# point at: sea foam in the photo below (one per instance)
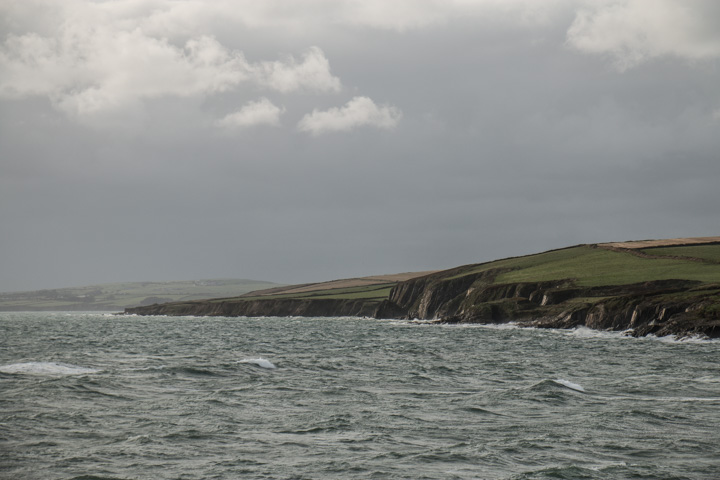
(45, 368)
(260, 362)
(585, 332)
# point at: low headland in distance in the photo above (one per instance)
(659, 287)
(112, 297)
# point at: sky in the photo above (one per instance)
(308, 140)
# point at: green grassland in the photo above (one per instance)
(117, 296)
(589, 266)
(593, 267)
(705, 252)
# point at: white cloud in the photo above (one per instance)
(358, 112)
(313, 73)
(96, 58)
(634, 31)
(262, 112)
(88, 72)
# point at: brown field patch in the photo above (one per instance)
(670, 242)
(342, 283)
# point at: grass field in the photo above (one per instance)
(705, 252)
(665, 242)
(592, 267)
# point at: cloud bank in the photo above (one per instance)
(635, 31)
(95, 60)
(84, 73)
(103, 58)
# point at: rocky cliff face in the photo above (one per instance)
(678, 307)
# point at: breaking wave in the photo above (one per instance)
(570, 385)
(45, 368)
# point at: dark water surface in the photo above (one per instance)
(87, 396)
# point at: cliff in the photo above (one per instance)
(663, 307)
(658, 287)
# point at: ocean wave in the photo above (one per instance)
(556, 384)
(503, 326)
(45, 368)
(193, 371)
(699, 339)
(260, 362)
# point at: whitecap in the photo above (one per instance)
(260, 362)
(585, 332)
(570, 385)
(45, 368)
(503, 326)
(697, 339)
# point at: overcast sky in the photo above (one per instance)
(297, 141)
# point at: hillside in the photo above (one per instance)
(118, 296)
(659, 286)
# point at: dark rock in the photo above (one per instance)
(285, 307)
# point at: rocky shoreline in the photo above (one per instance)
(283, 307)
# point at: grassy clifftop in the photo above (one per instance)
(597, 265)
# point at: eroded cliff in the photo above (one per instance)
(662, 307)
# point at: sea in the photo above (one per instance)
(93, 396)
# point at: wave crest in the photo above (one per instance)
(45, 368)
(569, 384)
(260, 362)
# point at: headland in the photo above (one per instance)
(660, 287)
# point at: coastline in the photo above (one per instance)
(658, 287)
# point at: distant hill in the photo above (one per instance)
(118, 296)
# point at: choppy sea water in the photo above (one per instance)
(92, 396)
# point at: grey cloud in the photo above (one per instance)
(635, 31)
(358, 112)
